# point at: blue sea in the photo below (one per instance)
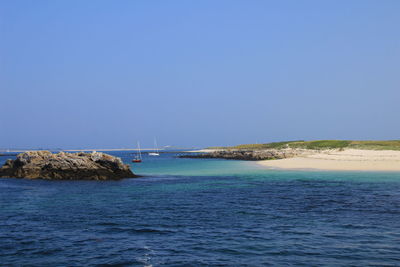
(203, 212)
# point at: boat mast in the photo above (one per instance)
(140, 154)
(155, 144)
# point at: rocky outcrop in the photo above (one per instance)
(66, 166)
(245, 154)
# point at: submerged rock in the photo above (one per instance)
(66, 166)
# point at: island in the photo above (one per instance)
(66, 166)
(340, 155)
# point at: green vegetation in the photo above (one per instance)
(275, 145)
(324, 144)
(376, 145)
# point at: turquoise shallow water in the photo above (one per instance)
(188, 212)
(169, 164)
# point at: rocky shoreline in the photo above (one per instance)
(66, 166)
(245, 154)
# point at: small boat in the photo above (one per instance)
(156, 148)
(138, 157)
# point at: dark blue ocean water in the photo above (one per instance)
(190, 212)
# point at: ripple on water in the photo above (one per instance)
(268, 218)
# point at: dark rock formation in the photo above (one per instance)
(244, 154)
(66, 166)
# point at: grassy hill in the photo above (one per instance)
(324, 144)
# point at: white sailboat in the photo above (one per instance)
(156, 148)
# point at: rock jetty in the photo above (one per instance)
(66, 166)
(245, 154)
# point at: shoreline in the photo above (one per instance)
(346, 160)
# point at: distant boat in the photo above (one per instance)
(156, 148)
(138, 157)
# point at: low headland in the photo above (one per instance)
(340, 155)
(66, 166)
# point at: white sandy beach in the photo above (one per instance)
(347, 160)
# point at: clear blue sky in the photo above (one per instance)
(81, 74)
